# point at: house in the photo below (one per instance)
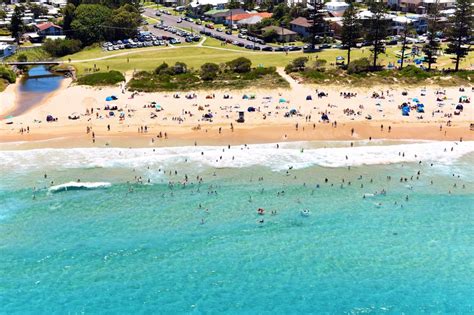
(302, 26)
(249, 21)
(48, 29)
(284, 35)
(6, 50)
(221, 16)
(336, 8)
(422, 6)
(251, 18)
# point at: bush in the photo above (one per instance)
(7, 74)
(62, 47)
(209, 71)
(102, 78)
(320, 64)
(411, 71)
(180, 68)
(359, 66)
(240, 65)
(300, 63)
(163, 68)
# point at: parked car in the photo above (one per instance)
(267, 48)
(179, 20)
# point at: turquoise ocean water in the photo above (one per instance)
(164, 247)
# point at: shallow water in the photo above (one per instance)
(142, 248)
(33, 89)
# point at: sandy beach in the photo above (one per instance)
(209, 117)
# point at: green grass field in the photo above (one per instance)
(149, 58)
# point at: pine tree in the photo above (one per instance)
(316, 16)
(407, 30)
(16, 24)
(460, 28)
(431, 48)
(377, 28)
(350, 30)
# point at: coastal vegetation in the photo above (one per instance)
(6, 76)
(102, 78)
(235, 74)
(358, 74)
(61, 47)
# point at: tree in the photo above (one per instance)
(377, 28)
(163, 68)
(68, 17)
(233, 4)
(280, 11)
(209, 71)
(270, 35)
(16, 24)
(460, 28)
(38, 10)
(407, 30)
(316, 15)
(89, 25)
(240, 65)
(62, 47)
(249, 4)
(180, 68)
(350, 30)
(123, 22)
(432, 47)
(22, 58)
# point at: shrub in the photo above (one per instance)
(180, 68)
(162, 68)
(7, 74)
(209, 71)
(320, 64)
(102, 78)
(359, 66)
(62, 47)
(240, 65)
(411, 71)
(299, 63)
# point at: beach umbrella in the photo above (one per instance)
(416, 100)
(282, 100)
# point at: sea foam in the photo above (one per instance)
(295, 155)
(78, 186)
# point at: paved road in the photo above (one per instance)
(172, 20)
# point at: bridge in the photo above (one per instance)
(33, 63)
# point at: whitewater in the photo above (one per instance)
(295, 155)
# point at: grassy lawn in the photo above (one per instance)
(149, 58)
(32, 55)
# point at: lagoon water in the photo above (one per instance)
(39, 83)
(123, 247)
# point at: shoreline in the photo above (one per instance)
(250, 135)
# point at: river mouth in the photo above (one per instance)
(34, 87)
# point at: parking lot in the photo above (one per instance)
(237, 40)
